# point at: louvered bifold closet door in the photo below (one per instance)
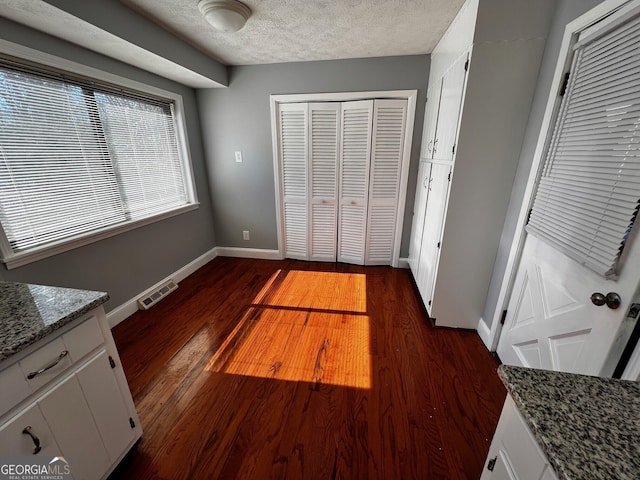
(387, 146)
(587, 199)
(355, 149)
(293, 128)
(324, 123)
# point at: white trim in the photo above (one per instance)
(410, 95)
(259, 253)
(553, 102)
(403, 262)
(485, 333)
(17, 259)
(130, 307)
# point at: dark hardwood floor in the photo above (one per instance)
(259, 369)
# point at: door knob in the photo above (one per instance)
(611, 299)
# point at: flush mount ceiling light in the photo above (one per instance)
(228, 16)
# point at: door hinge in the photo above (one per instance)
(429, 302)
(466, 65)
(492, 464)
(453, 149)
(449, 177)
(565, 83)
(503, 317)
(438, 245)
(112, 362)
(132, 423)
(529, 216)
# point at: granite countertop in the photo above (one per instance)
(588, 427)
(29, 313)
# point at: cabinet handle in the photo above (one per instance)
(429, 146)
(36, 440)
(63, 354)
(435, 146)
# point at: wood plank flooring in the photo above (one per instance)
(257, 369)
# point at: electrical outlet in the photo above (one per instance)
(245, 234)
(238, 157)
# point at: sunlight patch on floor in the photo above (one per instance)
(303, 326)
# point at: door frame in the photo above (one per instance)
(409, 95)
(491, 336)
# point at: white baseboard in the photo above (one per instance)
(240, 252)
(130, 307)
(485, 333)
(403, 262)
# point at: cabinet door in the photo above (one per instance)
(14, 442)
(387, 147)
(449, 111)
(324, 122)
(70, 420)
(107, 405)
(419, 206)
(433, 223)
(430, 120)
(292, 127)
(355, 150)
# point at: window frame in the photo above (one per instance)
(13, 259)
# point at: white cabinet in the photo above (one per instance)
(74, 400)
(432, 191)
(340, 167)
(475, 120)
(514, 453)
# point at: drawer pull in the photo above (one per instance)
(36, 440)
(63, 354)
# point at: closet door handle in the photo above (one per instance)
(430, 146)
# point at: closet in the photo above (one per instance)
(341, 167)
(482, 81)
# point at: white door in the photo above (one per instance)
(355, 149)
(420, 204)
(430, 120)
(293, 128)
(449, 110)
(438, 187)
(324, 124)
(551, 322)
(387, 147)
(585, 205)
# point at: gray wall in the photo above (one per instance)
(129, 263)
(566, 11)
(238, 118)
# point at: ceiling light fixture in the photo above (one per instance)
(228, 16)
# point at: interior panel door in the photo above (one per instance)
(419, 207)
(355, 153)
(438, 187)
(389, 118)
(293, 129)
(324, 124)
(551, 322)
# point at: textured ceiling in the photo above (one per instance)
(305, 30)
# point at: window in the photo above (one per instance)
(81, 160)
(588, 197)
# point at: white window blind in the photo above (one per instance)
(588, 196)
(78, 157)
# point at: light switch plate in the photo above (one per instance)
(238, 157)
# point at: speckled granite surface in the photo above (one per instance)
(588, 427)
(30, 312)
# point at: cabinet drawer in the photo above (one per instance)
(50, 360)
